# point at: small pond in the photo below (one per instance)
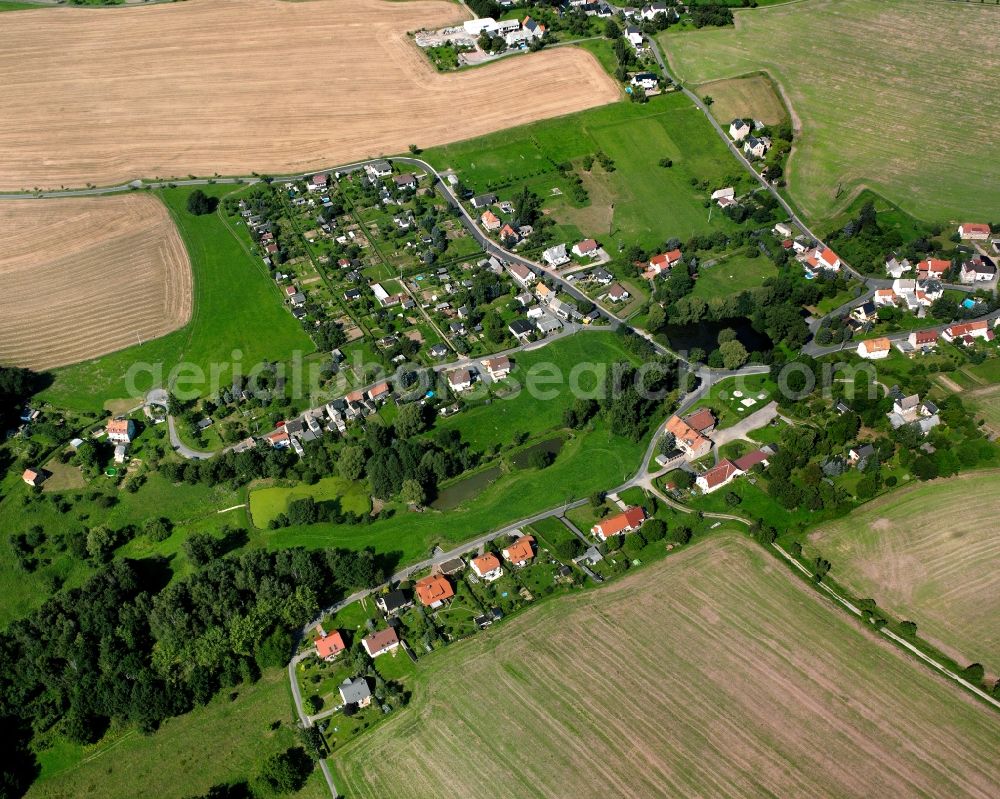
(522, 460)
(454, 495)
(705, 335)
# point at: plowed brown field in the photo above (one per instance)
(83, 277)
(714, 673)
(235, 86)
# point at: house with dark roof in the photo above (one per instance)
(356, 692)
(393, 602)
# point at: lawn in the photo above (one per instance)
(713, 651)
(639, 201)
(930, 554)
(237, 308)
(589, 460)
(733, 274)
(726, 397)
(865, 109)
(221, 742)
(267, 503)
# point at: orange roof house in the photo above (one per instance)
(520, 551)
(974, 230)
(490, 221)
(433, 591)
(688, 439)
(625, 522)
(328, 646)
(874, 348)
(487, 566)
(33, 477)
(381, 391)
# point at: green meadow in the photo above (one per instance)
(886, 96)
(267, 503)
(640, 201)
(237, 307)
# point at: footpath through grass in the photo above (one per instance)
(237, 306)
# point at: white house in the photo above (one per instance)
(726, 192)
(647, 81)
(874, 349)
(121, 431)
(634, 35)
(618, 293)
(556, 255)
(978, 270)
(739, 129)
(487, 567)
(460, 380)
(718, 476)
(974, 231)
(756, 147)
(896, 268)
(498, 367)
(585, 247)
(522, 275)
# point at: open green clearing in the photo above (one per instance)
(218, 743)
(725, 653)
(733, 274)
(856, 75)
(236, 307)
(650, 203)
(930, 554)
(267, 503)
(590, 460)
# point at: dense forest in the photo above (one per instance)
(127, 648)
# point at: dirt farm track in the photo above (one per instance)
(235, 86)
(82, 277)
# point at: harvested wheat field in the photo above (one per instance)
(713, 673)
(929, 553)
(753, 96)
(83, 277)
(235, 86)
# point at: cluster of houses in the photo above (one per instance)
(514, 32)
(925, 341)
(743, 131)
(333, 417)
(692, 440)
(462, 379)
(432, 592)
(978, 268)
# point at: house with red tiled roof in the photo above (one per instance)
(585, 247)
(121, 431)
(328, 646)
(625, 522)
(521, 551)
(490, 221)
(663, 262)
(974, 231)
(688, 438)
(433, 591)
(379, 392)
(509, 235)
(487, 567)
(718, 476)
(923, 338)
(751, 459)
(970, 329)
(932, 267)
(33, 477)
(380, 642)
